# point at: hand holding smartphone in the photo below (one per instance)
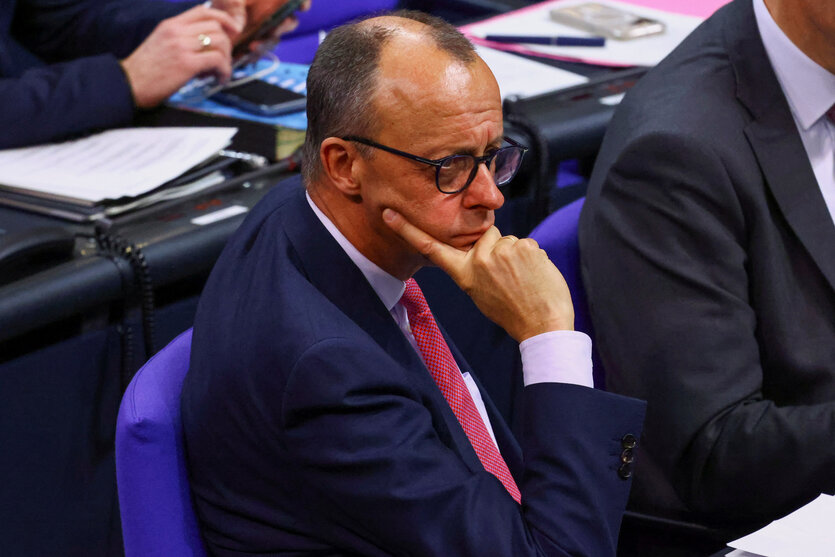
(264, 30)
(258, 96)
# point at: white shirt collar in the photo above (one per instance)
(809, 88)
(389, 288)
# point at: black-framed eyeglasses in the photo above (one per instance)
(455, 173)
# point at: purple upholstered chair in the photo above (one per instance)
(557, 235)
(158, 516)
(300, 45)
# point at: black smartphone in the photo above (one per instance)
(241, 48)
(260, 97)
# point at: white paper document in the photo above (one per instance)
(112, 164)
(807, 531)
(535, 21)
(524, 78)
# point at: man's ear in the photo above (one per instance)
(339, 159)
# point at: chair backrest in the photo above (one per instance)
(557, 235)
(300, 45)
(158, 517)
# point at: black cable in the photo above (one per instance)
(114, 245)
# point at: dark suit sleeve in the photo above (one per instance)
(665, 266)
(380, 477)
(61, 30)
(55, 101)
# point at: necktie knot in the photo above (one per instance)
(413, 300)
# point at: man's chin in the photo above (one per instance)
(465, 242)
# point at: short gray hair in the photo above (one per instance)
(342, 79)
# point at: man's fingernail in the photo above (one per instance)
(388, 214)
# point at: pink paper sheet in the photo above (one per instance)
(699, 8)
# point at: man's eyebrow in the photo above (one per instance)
(474, 151)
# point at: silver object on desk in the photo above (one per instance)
(607, 21)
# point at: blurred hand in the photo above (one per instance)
(258, 11)
(235, 8)
(172, 54)
(251, 13)
(512, 281)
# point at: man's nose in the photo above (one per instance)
(483, 191)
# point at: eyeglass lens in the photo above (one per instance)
(457, 171)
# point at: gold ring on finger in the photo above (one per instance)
(205, 41)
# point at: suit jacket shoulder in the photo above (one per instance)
(704, 207)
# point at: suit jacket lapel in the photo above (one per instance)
(773, 136)
(332, 272)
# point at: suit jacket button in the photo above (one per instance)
(626, 456)
(625, 471)
(629, 441)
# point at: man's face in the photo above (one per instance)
(431, 106)
(810, 24)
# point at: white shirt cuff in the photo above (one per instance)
(557, 357)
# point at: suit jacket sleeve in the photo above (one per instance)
(381, 474)
(61, 30)
(665, 245)
(83, 86)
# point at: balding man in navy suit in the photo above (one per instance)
(325, 413)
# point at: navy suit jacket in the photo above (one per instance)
(705, 223)
(59, 64)
(313, 427)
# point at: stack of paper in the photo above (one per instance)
(110, 165)
(520, 77)
(806, 531)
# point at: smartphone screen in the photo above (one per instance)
(260, 97)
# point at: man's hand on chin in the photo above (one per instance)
(512, 281)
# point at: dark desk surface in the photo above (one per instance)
(174, 247)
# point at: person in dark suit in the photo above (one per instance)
(71, 66)
(324, 411)
(709, 221)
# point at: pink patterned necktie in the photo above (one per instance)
(445, 372)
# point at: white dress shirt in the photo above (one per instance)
(810, 91)
(556, 357)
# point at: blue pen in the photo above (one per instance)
(553, 41)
